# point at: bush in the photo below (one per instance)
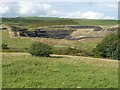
(67, 51)
(4, 46)
(40, 49)
(108, 48)
(72, 51)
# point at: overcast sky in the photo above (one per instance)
(88, 10)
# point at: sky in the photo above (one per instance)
(87, 10)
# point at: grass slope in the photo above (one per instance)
(33, 22)
(26, 71)
(17, 42)
(95, 22)
(14, 42)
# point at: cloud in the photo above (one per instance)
(87, 15)
(39, 9)
(76, 14)
(95, 15)
(111, 5)
(108, 17)
(29, 8)
(25, 8)
(65, 0)
(92, 15)
(3, 8)
(8, 9)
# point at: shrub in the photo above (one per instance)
(108, 48)
(4, 46)
(58, 51)
(67, 51)
(72, 51)
(40, 49)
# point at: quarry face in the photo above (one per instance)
(71, 32)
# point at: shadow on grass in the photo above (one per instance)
(51, 56)
(57, 57)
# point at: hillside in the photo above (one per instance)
(74, 29)
(34, 22)
(58, 32)
(48, 21)
(21, 70)
(60, 70)
(96, 22)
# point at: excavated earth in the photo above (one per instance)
(63, 32)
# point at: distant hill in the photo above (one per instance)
(34, 22)
(96, 22)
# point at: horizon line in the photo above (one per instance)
(54, 17)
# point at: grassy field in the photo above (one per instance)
(95, 22)
(88, 44)
(25, 71)
(34, 22)
(14, 42)
(17, 42)
(21, 70)
(41, 21)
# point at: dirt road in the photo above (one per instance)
(55, 55)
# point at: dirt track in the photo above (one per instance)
(55, 55)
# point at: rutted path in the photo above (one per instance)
(55, 55)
